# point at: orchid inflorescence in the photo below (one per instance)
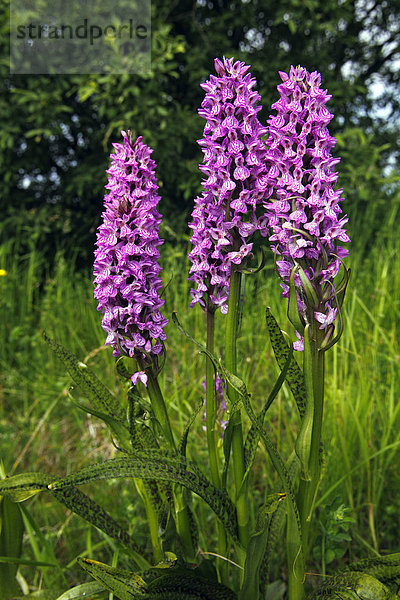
(303, 208)
(126, 259)
(283, 188)
(224, 217)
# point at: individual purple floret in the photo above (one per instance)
(303, 209)
(126, 268)
(224, 217)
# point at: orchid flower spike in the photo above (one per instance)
(126, 269)
(224, 218)
(306, 227)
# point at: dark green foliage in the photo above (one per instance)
(294, 375)
(21, 487)
(384, 568)
(176, 581)
(353, 586)
(157, 466)
(370, 579)
(256, 549)
(88, 509)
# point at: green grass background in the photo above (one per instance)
(41, 430)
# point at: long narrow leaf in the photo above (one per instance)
(47, 594)
(256, 548)
(275, 525)
(84, 590)
(22, 487)
(176, 582)
(192, 418)
(126, 585)
(252, 438)
(120, 430)
(100, 397)
(11, 532)
(142, 465)
(294, 375)
(24, 561)
(92, 512)
(279, 465)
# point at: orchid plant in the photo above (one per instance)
(276, 182)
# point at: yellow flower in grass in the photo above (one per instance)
(3, 272)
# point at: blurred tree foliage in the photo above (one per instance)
(57, 131)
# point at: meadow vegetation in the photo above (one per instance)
(42, 430)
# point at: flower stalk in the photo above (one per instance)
(158, 406)
(212, 444)
(182, 518)
(303, 209)
(308, 445)
(237, 429)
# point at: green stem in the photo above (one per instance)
(242, 504)
(314, 381)
(152, 520)
(158, 406)
(313, 367)
(183, 522)
(182, 516)
(211, 422)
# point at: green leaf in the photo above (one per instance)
(43, 550)
(192, 418)
(308, 288)
(84, 590)
(256, 548)
(21, 487)
(155, 465)
(276, 523)
(175, 582)
(279, 465)
(360, 586)
(274, 455)
(142, 438)
(24, 561)
(11, 532)
(252, 438)
(125, 584)
(141, 435)
(227, 445)
(120, 430)
(383, 568)
(303, 441)
(294, 375)
(187, 583)
(88, 509)
(100, 397)
(41, 595)
(292, 26)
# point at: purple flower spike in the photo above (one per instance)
(224, 217)
(126, 269)
(303, 211)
